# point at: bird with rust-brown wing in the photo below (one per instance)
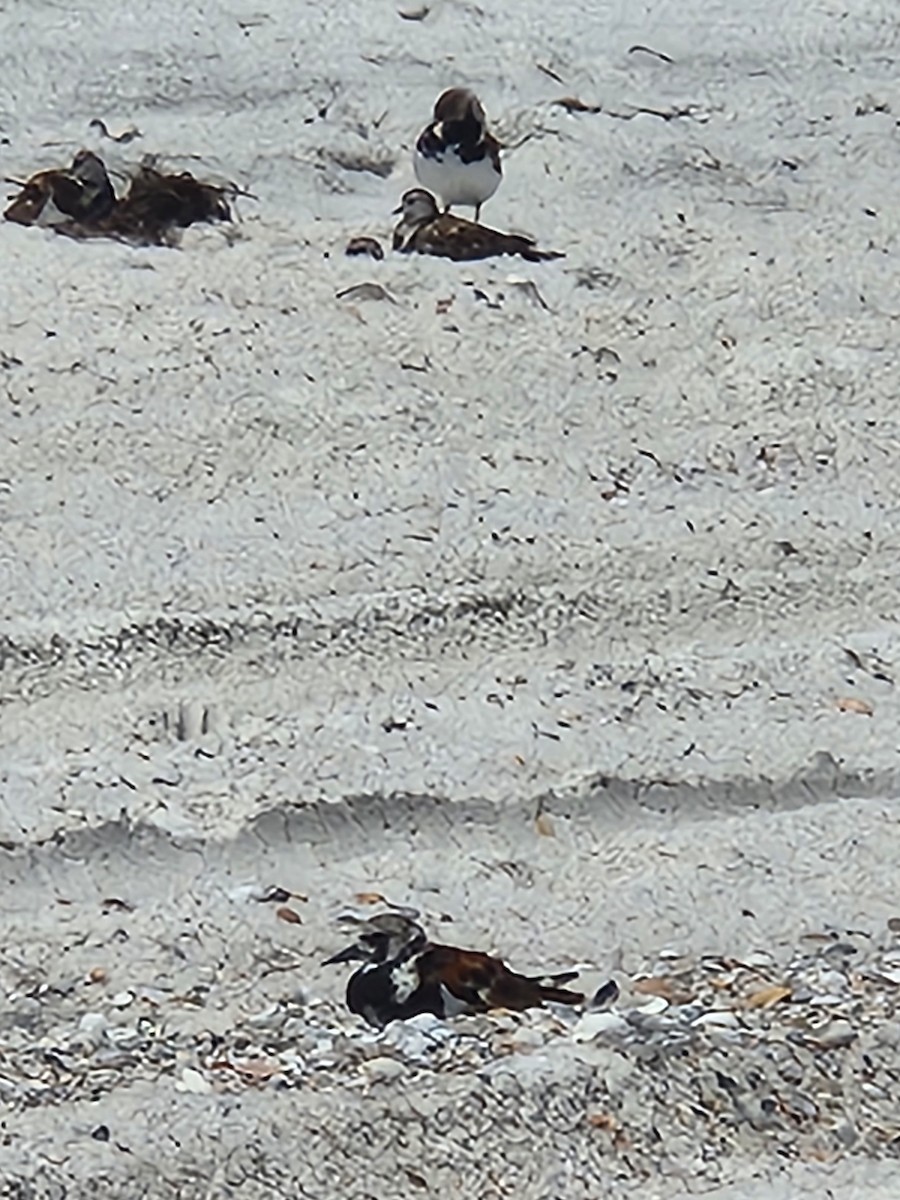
(472, 981)
(79, 193)
(404, 975)
(424, 230)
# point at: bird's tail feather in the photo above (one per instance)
(555, 979)
(532, 254)
(558, 995)
(549, 988)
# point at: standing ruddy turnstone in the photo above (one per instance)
(426, 231)
(455, 155)
(405, 975)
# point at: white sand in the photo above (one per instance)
(345, 590)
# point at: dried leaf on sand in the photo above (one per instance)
(288, 915)
(768, 996)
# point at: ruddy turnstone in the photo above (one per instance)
(455, 155)
(404, 975)
(426, 231)
(81, 192)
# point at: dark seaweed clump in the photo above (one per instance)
(80, 201)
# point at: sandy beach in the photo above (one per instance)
(555, 600)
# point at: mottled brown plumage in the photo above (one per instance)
(425, 230)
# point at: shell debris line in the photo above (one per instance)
(692, 1062)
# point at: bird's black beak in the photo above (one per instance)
(348, 955)
(398, 209)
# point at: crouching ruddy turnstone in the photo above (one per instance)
(404, 975)
(81, 192)
(426, 231)
(455, 155)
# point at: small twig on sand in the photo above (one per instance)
(547, 71)
(639, 49)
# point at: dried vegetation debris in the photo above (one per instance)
(80, 201)
(364, 246)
